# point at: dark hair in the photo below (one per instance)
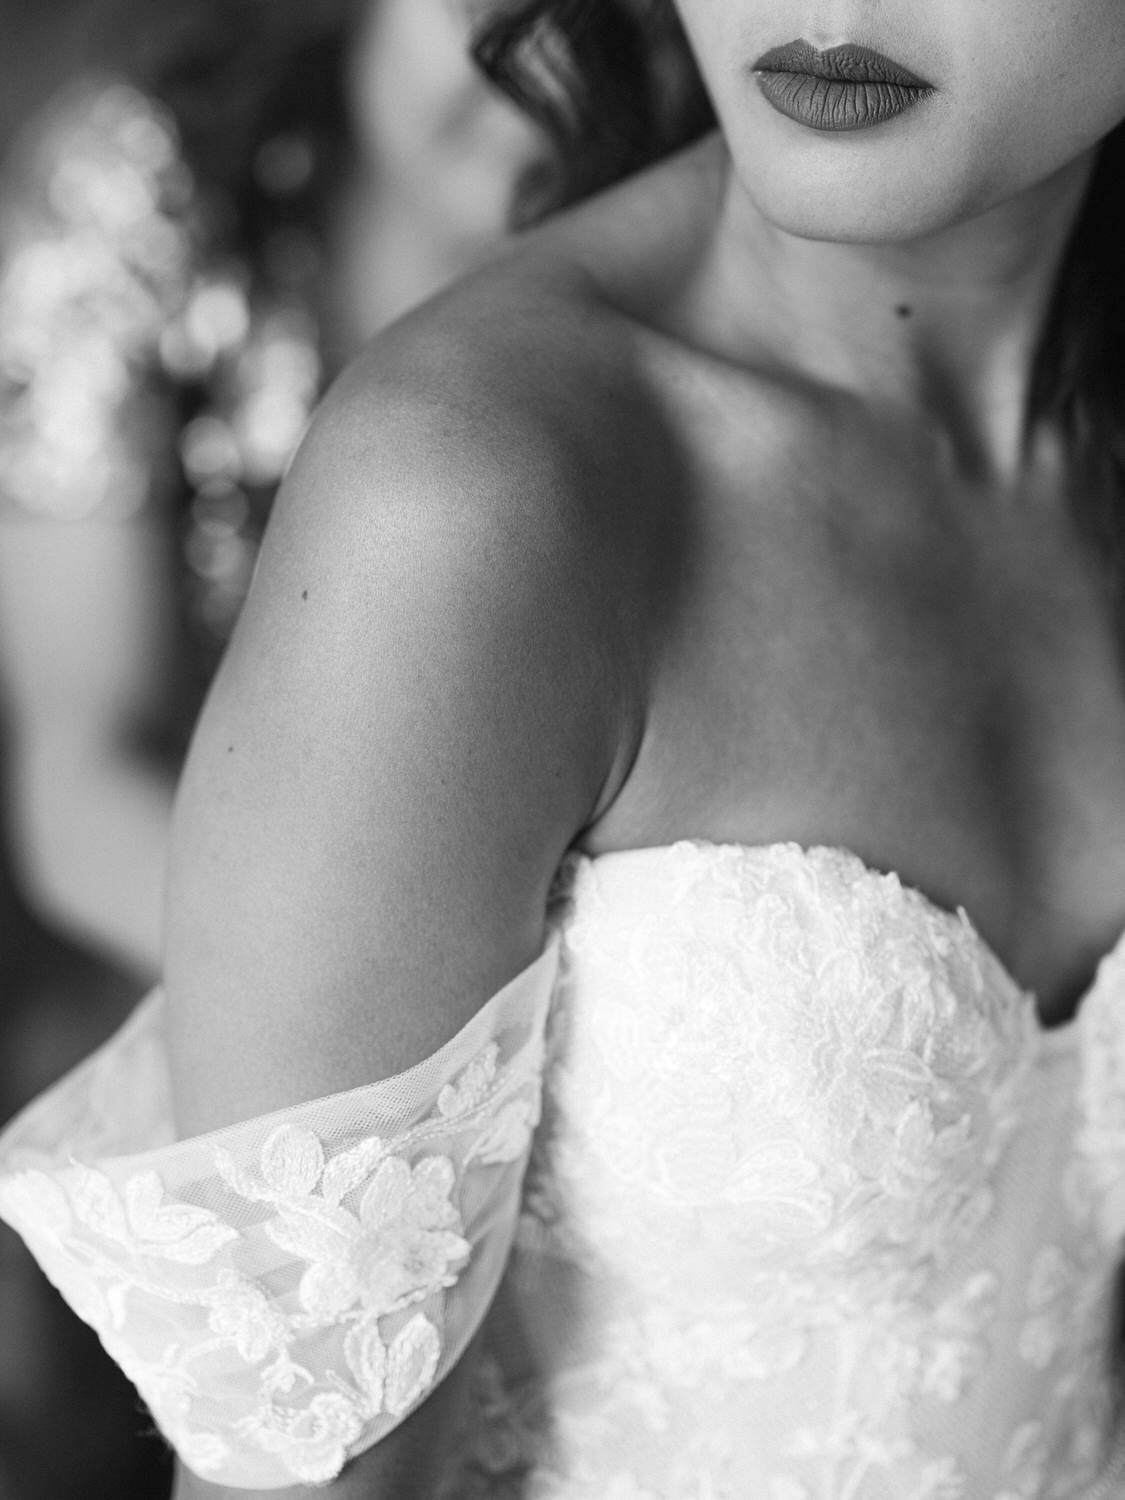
(615, 85)
(1079, 376)
(612, 82)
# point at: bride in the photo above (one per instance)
(701, 634)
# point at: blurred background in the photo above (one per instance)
(206, 208)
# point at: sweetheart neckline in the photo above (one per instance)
(1058, 1036)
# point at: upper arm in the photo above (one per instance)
(430, 692)
(420, 708)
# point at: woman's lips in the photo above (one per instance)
(844, 88)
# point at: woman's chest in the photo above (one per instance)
(862, 659)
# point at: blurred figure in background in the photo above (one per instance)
(186, 264)
(196, 232)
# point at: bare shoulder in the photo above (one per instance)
(519, 408)
(432, 689)
(486, 408)
(486, 458)
(439, 679)
(506, 440)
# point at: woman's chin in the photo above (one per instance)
(854, 209)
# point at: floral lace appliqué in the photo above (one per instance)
(283, 1306)
(797, 1119)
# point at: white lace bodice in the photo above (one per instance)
(814, 1209)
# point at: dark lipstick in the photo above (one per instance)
(843, 88)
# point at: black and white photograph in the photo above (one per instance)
(562, 749)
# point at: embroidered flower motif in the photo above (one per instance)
(411, 1362)
(312, 1443)
(35, 1201)
(943, 1479)
(399, 1247)
(937, 1352)
(508, 1136)
(757, 1340)
(392, 1378)
(396, 1251)
(1050, 1299)
(142, 1222)
(785, 1188)
(471, 1085)
(205, 1452)
(242, 1313)
(1025, 1463)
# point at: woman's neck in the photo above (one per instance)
(385, 255)
(946, 326)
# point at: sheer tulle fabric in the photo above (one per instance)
(814, 1210)
(285, 1291)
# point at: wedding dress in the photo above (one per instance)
(764, 1182)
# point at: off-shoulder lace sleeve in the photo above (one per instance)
(284, 1291)
(96, 258)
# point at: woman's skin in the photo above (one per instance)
(713, 512)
